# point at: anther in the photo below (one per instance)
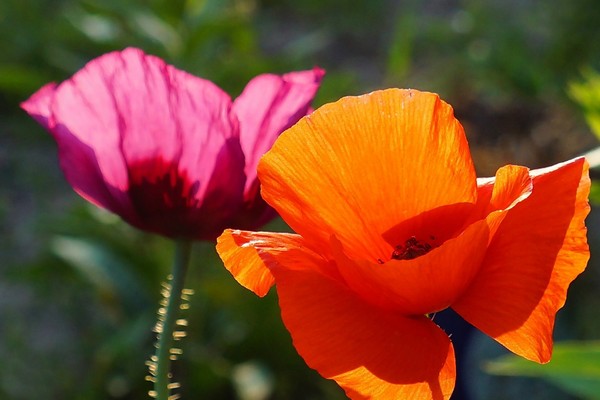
(411, 249)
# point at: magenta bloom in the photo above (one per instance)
(167, 151)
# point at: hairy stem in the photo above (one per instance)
(167, 321)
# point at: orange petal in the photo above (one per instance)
(357, 167)
(511, 185)
(370, 353)
(248, 256)
(426, 284)
(241, 251)
(433, 281)
(537, 252)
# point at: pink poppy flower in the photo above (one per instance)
(167, 151)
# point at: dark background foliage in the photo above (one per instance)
(79, 288)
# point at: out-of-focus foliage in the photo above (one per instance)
(587, 94)
(79, 288)
(575, 367)
(595, 193)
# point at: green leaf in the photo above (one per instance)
(575, 367)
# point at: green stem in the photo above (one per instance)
(169, 319)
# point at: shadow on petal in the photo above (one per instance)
(370, 352)
(433, 226)
(538, 250)
(156, 195)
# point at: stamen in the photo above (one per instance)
(411, 249)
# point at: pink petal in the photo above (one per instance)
(77, 159)
(38, 105)
(127, 118)
(269, 105)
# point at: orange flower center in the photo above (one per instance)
(412, 248)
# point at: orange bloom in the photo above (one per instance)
(393, 225)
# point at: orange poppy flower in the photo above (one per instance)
(392, 226)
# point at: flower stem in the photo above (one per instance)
(167, 321)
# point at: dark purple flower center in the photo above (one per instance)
(162, 196)
(411, 249)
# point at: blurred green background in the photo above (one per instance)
(79, 288)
